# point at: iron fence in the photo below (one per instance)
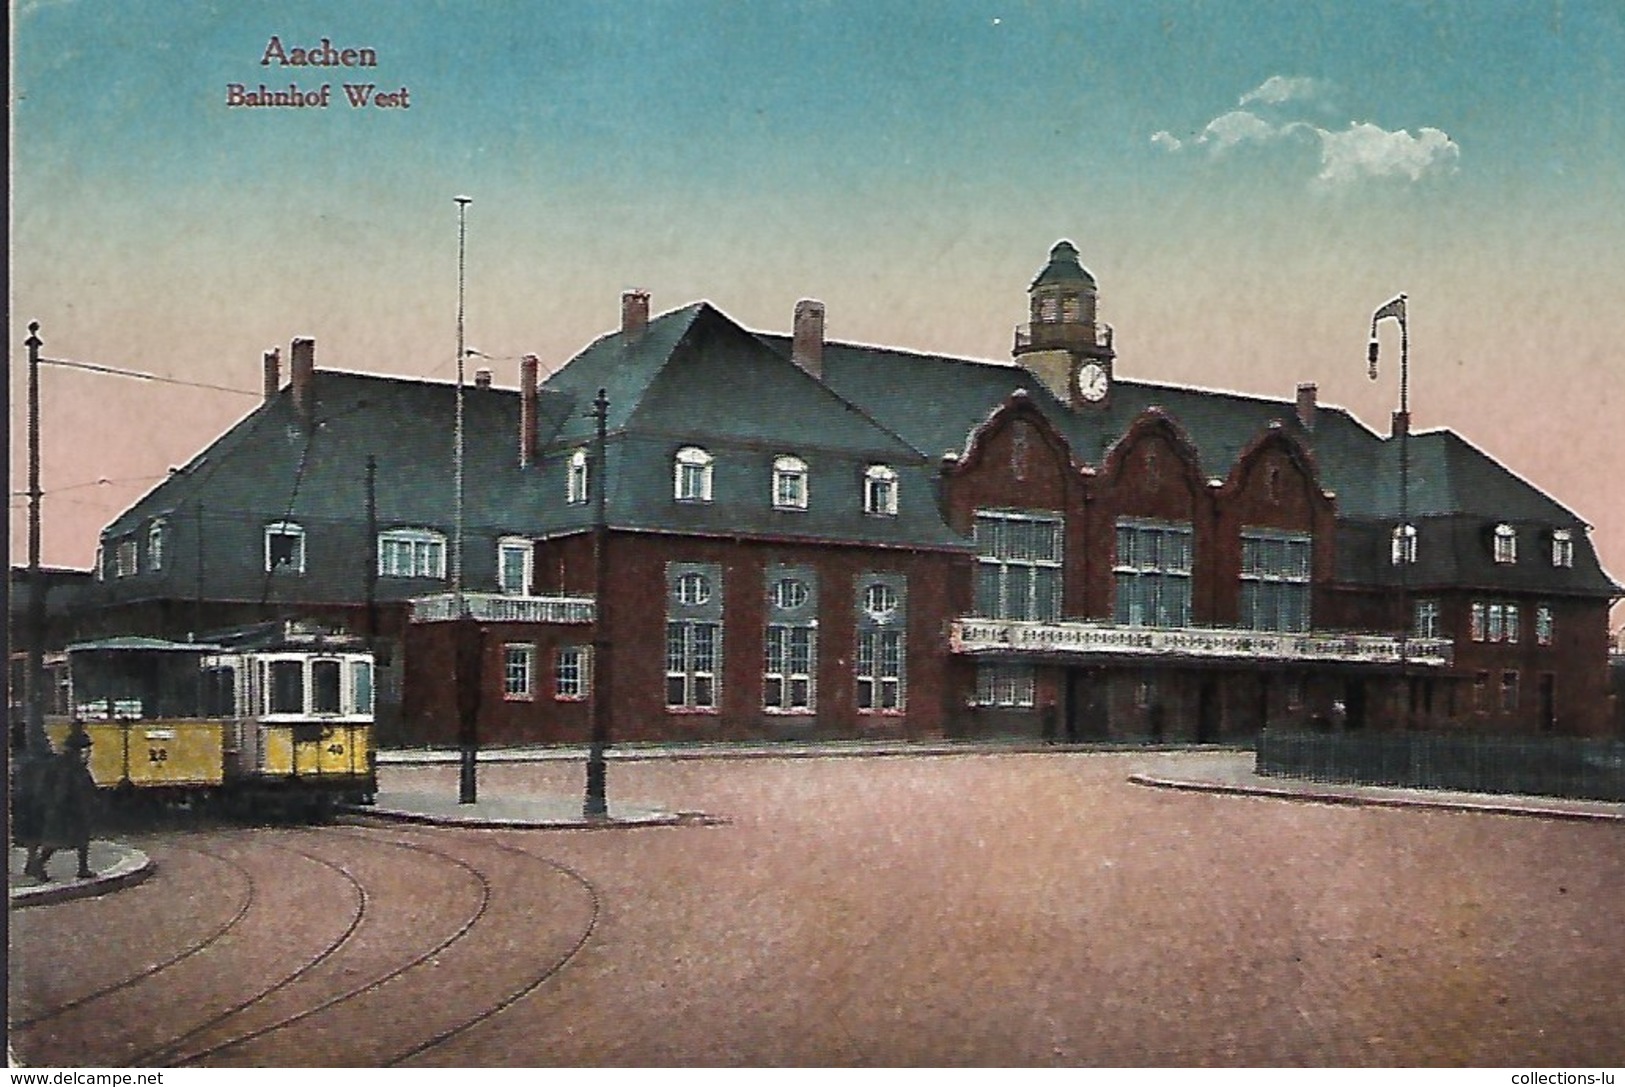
(1538, 766)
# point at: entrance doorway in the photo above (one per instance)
(1207, 712)
(1085, 706)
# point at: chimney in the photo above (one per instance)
(1306, 405)
(303, 376)
(482, 378)
(1402, 423)
(634, 313)
(527, 409)
(273, 373)
(807, 346)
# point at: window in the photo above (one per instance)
(1494, 621)
(790, 483)
(880, 601)
(516, 671)
(1153, 574)
(1481, 692)
(880, 490)
(1562, 547)
(514, 562)
(1018, 572)
(287, 686)
(880, 670)
(101, 562)
(691, 664)
(571, 680)
(285, 547)
(693, 588)
(1427, 619)
(325, 676)
(576, 488)
(1509, 692)
(693, 475)
(361, 685)
(1506, 544)
(1009, 685)
(155, 546)
(1543, 624)
(411, 552)
(789, 668)
(1274, 581)
(789, 593)
(1402, 549)
(125, 561)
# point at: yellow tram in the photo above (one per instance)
(280, 715)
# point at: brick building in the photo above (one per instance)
(808, 537)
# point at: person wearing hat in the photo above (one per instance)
(68, 794)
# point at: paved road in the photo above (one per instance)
(1010, 910)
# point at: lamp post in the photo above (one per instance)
(34, 728)
(1406, 539)
(596, 803)
(465, 638)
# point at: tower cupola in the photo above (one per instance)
(1063, 343)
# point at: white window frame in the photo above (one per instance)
(518, 672)
(286, 530)
(1402, 546)
(1494, 621)
(1427, 619)
(790, 685)
(880, 601)
(790, 483)
(691, 474)
(697, 674)
(880, 490)
(1257, 575)
(1505, 545)
(790, 593)
(880, 667)
(1562, 548)
(572, 673)
(1003, 564)
(525, 547)
(693, 588)
(578, 482)
(425, 550)
(1129, 570)
(1005, 686)
(127, 559)
(155, 544)
(1545, 624)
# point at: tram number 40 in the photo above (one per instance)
(335, 749)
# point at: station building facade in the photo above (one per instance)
(809, 538)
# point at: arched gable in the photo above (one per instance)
(1153, 470)
(1014, 458)
(1275, 482)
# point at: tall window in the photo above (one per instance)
(790, 667)
(285, 547)
(789, 483)
(693, 635)
(155, 546)
(1004, 685)
(1275, 581)
(692, 481)
(126, 561)
(1427, 619)
(514, 563)
(1494, 621)
(1402, 549)
(326, 678)
(1562, 547)
(1509, 692)
(286, 684)
(411, 552)
(518, 663)
(1506, 544)
(1153, 574)
(1018, 573)
(577, 486)
(880, 490)
(1543, 624)
(571, 676)
(361, 685)
(881, 666)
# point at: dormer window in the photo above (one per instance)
(125, 561)
(285, 547)
(1402, 549)
(411, 552)
(880, 491)
(577, 486)
(692, 475)
(1506, 544)
(789, 483)
(1562, 547)
(155, 546)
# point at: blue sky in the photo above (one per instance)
(908, 163)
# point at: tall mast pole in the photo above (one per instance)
(35, 726)
(596, 803)
(465, 638)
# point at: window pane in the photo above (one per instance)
(324, 686)
(361, 672)
(287, 687)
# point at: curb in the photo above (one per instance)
(476, 822)
(1377, 801)
(435, 757)
(131, 869)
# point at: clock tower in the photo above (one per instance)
(1063, 345)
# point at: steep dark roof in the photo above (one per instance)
(1063, 267)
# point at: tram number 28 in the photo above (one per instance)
(157, 754)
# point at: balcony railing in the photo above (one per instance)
(1002, 636)
(498, 608)
(1060, 334)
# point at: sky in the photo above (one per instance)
(1248, 182)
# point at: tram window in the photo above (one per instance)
(287, 687)
(324, 686)
(220, 692)
(362, 671)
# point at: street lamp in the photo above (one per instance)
(465, 637)
(34, 729)
(596, 803)
(1407, 542)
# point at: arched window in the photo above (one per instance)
(577, 489)
(692, 477)
(880, 490)
(1562, 547)
(1402, 548)
(789, 483)
(155, 546)
(1506, 544)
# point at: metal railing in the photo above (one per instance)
(499, 608)
(995, 636)
(1532, 765)
(1059, 334)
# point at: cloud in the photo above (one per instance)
(1363, 151)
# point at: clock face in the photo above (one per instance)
(1092, 382)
